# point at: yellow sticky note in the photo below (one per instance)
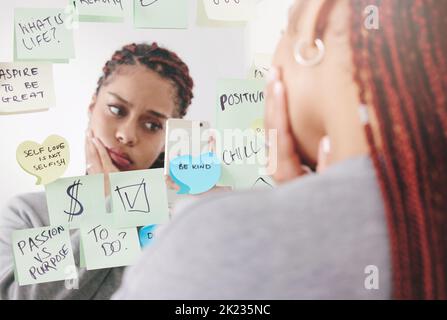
(47, 161)
(26, 87)
(230, 10)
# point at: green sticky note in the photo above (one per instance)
(204, 21)
(100, 11)
(242, 10)
(43, 255)
(43, 35)
(105, 246)
(34, 60)
(26, 87)
(240, 114)
(72, 200)
(161, 14)
(139, 198)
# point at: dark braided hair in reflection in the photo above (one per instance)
(165, 63)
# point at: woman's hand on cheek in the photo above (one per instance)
(171, 184)
(283, 159)
(92, 159)
(106, 162)
(100, 159)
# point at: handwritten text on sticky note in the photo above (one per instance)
(229, 10)
(195, 175)
(105, 246)
(43, 34)
(240, 105)
(47, 161)
(72, 200)
(26, 87)
(139, 198)
(43, 255)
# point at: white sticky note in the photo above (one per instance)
(230, 10)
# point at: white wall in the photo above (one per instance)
(211, 53)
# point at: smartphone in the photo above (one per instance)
(186, 137)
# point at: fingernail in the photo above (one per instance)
(326, 145)
(273, 74)
(95, 141)
(278, 88)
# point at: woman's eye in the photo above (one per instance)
(152, 126)
(115, 110)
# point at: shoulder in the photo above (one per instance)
(342, 189)
(233, 239)
(28, 209)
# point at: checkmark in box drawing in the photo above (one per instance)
(134, 198)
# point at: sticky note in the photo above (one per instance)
(197, 174)
(257, 73)
(47, 161)
(139, 198)
(261, 66)
(203, 20)
(26, 87)
(230, 10)
(147, 235)
(100, 11)
(75, 199)
(43, 255)
(43, 35)
(105, 246)
(161, 14)
(240, 114)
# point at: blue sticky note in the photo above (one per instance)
(146, 235)
(195, 175)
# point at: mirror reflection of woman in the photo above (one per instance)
(141, 87)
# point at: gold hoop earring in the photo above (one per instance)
(312, 61)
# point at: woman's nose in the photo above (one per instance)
(127, 133)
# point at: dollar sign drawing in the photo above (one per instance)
(72, 192)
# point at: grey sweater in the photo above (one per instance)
(309, 239)
(30, 211)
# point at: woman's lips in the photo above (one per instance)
(121, 160)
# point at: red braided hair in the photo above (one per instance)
(403, 65)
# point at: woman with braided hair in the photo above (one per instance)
(141, 87)
(373, 224)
